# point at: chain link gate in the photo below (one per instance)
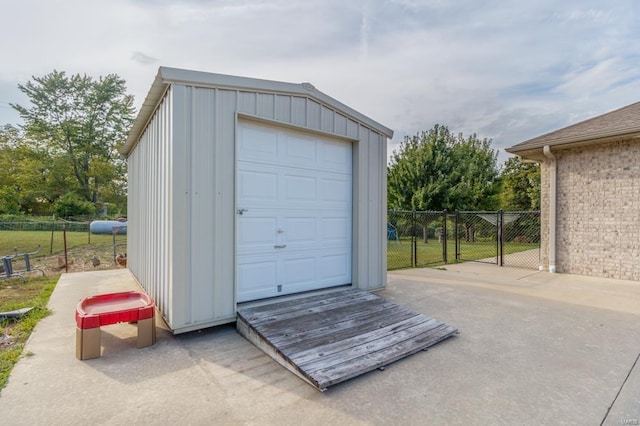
(477, 237)
(520, 239)
(502, 238)
(422, 238)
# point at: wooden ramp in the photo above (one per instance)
(331, 337)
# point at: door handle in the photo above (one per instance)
(240, 211)
(280, 246)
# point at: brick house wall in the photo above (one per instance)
(598, 210)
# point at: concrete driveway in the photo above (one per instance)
(534, 349)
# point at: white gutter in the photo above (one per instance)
(552, 208)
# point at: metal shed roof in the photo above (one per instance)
(167, 76)
(623, 123)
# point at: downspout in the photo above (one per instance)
(552, 208)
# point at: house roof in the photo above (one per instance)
(167, 76)
(623, 123)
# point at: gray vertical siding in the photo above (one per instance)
(149, 245)
(283, 108)
(340, 125)
(313, 115)
(266, 105)
(299, 111)
(225, 213)
(205, 120)
(182, 196)
(201, 204)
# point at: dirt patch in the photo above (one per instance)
(86, 258)
(6, 340)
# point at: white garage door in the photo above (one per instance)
(293, 217)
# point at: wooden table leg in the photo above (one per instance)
(146, 332)
(88, 343)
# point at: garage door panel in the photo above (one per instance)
(335, 268)
(257, 143)
(336, 156)
(336, 190)
(297, 148)
(335, 229)
(299, 270)
(300, 248)
(256, 278)
(257, 185)
(315, 232)
(300, 188)
(299, 229)
(303, 274)
(257, 234)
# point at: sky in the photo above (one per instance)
(504, 70)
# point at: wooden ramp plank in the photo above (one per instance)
(307, 308)
(292, 305)
(348, 370)
(341, 348)
(325, 323)
(343, 330)
(328, 338)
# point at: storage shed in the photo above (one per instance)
(243, 189)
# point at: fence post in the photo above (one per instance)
(455, 234)
(53, 228)
(414, 240)
(64, 239)
(444, 236)
(500, 239)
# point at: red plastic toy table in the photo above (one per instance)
(96, 311)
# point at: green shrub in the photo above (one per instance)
(9, 201)
(71, 205)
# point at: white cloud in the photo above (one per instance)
(598, 16)
(504, 70)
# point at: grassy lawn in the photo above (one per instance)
(399, 253)
(16, 294)
(29, 240)
(487, 249)
(81, 254)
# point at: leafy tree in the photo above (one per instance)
(8, 197)
(79, 124)
(72, 205)
(520, 185)
(20, 173)
(438, 170)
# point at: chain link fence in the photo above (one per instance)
(478, 237)
(416, 238)
(423, 238)
(520, 239)
(400, 230)
(58, 245)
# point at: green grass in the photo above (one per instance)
(399, 252)
(487, 249)
(28, 241)
(16, 294)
